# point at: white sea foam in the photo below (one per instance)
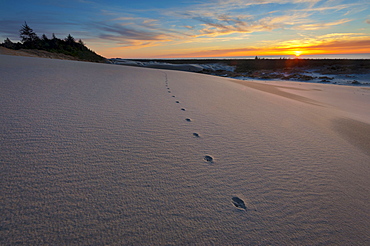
(97, 154)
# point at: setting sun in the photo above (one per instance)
(297, 53)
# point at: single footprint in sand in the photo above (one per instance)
(173, 96)
(239, 203)
(188, 120)
(196, 135)
(208, 158)
(183, 109)
(177, 102)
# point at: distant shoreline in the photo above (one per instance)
(332, 71)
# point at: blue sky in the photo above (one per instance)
(192, 28)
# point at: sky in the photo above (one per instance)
(197, 28)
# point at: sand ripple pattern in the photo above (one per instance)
(98, 154)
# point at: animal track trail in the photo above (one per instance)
(207, 158)
(236, 201)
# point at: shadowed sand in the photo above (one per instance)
(356, 132)
(274, 89)
(98, 154)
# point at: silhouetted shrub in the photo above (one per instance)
(68, 46)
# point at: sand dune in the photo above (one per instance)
(98, 154)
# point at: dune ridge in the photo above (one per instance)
(103, 154)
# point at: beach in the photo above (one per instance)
(352, 72)
(100, 154)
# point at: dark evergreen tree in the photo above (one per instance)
(44, 38)
(69, 39)
(8, 44)
(27, 34)
(45, 43)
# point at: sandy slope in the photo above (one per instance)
(35, 53)
(102, 154)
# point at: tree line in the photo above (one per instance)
(67, 46)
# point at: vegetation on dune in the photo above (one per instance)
(68, 46)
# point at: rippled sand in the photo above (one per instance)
(98, 154)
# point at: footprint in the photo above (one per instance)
(188, 120)
(173, 96)
(239, 203)
(196, 135)
(208, 158)
(183, 109)
(169, 91)
(177, 102)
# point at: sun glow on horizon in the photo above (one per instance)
(297, 53)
